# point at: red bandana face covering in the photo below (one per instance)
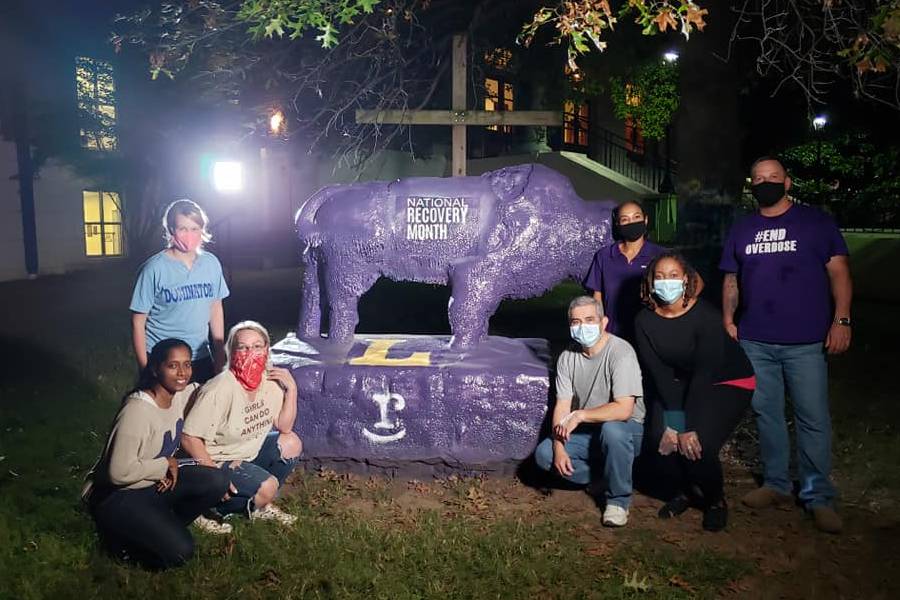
(187, 241)
(248, 367)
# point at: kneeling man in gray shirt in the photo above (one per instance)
(599, 413)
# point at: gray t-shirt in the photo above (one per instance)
(594, 381)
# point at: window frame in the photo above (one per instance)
(97, 107)
(102, 224)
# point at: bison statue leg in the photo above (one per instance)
(310, 324)
(474, 299)
(344, 287)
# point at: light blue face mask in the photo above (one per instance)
(668, 290)
(585, 334)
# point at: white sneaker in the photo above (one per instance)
(270, 512)
(212, 526)
(615, 516)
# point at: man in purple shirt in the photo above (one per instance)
(786, 297)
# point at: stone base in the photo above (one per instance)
(407, 403)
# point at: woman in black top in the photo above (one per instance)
(704, 382)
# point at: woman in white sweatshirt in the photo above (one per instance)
(139, 496)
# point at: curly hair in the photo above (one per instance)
(690, 288)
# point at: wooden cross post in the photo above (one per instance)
(458, 116)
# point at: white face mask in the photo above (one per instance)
(585, 334)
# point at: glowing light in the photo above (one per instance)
(670, 56)
(276, 122)
(820, 122)
(228, 176)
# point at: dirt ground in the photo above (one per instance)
(789, 558)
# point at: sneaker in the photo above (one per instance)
(764, 497)
(212, 526)
(270, 512)
(827, 519)
(674, 507)
(715, 517)
(615, 516)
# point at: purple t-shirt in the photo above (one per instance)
(620, 283)
(784, 285)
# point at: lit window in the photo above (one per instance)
(632, 95)
(96, 103)
(634, 138)
(102, 223)
(493, 101)
(576, 123)
(499, 58)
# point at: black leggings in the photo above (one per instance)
(714, 416)
(151, 526)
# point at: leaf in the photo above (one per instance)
(367, 6)
(679, 582)
(633, 584)
(274, 26)
(695, 16)
(664, 20)
(328, 36)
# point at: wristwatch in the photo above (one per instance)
(845, 321)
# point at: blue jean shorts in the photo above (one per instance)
(250, 475)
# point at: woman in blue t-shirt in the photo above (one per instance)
(179, 293)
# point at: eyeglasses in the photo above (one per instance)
(254, 347)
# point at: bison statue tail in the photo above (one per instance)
(305, 219)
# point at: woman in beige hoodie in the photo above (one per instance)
(140, 497)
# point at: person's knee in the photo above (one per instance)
(290, 445)
(543, 455)
(266, 492)
(615, 434)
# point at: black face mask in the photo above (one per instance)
(632, 232)
(768, 193)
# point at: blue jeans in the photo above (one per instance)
(250, 475)
(804, 369)
(615, 443)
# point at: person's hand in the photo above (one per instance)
(563, 430)
(731, 330)
(838, 339)
(171, 478)
(234, 464)
(689, 445)
(668, 443)
(282, 377)
(562, 463)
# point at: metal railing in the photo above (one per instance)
(646, 167)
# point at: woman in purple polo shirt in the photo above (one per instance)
(617, 269)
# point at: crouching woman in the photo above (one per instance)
(140, 498)
(242, 423)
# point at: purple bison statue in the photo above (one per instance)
(510, 233)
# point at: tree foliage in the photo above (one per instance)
(811, 44)
(649, 95)
(849, 174)
(581, 24)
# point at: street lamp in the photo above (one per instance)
(228, 176)
(819, 122)
(670, 56)
(276, 123)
